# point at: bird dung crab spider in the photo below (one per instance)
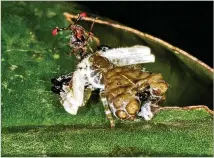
(126, 91)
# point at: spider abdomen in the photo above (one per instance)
(120, 92)
(127, 88)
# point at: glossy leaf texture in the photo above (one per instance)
(35, 124)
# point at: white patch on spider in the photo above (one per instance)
(146, 111)
(78, 86)
(85, 69)
(70, 108)
(72, 99)
(68, 101)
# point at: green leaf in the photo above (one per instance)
(35, 124)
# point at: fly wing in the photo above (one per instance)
(129, 55)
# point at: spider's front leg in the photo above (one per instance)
(107, 109)
(72, 96)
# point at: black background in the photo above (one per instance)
(187, 25)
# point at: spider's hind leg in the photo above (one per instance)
(107, 109)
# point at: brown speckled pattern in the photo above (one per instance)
(122, 85)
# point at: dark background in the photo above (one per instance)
(187, 25)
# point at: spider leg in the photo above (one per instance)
(72, 96)
(107, 109)
(87, 95)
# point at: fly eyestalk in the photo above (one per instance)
(80, 17)
(57, 30)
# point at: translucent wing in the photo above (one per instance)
(129, 55)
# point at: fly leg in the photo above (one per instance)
(83, 52)
(75, 52)
(79, 52)
(57, 30)
(107, 109)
